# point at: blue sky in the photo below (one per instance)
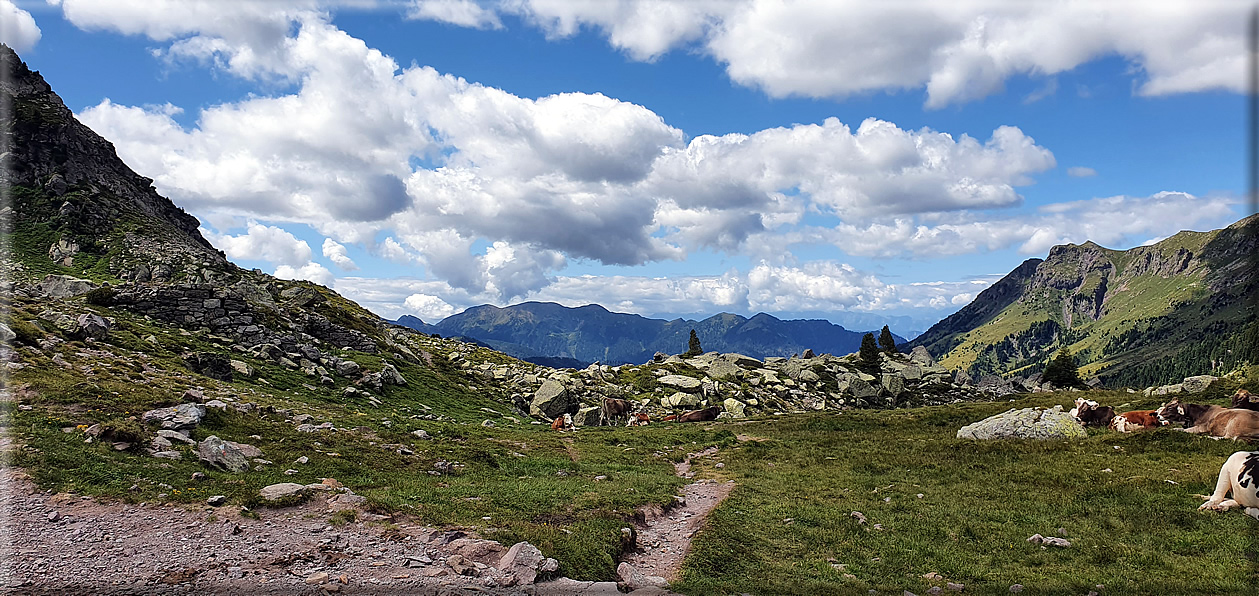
(660, 157)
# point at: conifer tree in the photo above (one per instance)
(886, 342)
(1061, 371)
(693, 347)
(869, 353)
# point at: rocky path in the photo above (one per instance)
(665, 538)
(65, 544)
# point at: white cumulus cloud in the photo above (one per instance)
(17, 27)
(464, 13)
(309, 272)
(262, 243)
(336, 252)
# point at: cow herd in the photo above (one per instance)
(1240, 421)
(1239, 476)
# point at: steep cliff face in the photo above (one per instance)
(1177, 306)
(76, 204)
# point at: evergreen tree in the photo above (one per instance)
(886, 342)
(693, 347)
(1061, 371)
(869, 353)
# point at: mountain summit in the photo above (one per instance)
(76, 205)
(1137, 317)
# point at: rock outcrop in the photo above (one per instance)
(1026, 423)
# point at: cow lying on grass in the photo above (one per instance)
(1089, 413)
(1136, 420)
(1240, 476)
(1242, 401)
(1215, 421)
(703, 415)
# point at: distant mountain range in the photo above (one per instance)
(550, 333)
(1147, 315)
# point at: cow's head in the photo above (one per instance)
(1172, 412)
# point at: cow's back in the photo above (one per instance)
(1229, 423)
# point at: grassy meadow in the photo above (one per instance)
(1126, 502)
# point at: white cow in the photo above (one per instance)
(1240, 476)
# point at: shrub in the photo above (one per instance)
(102, 296)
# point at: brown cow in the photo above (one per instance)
(558, 424)
(1136, 420)
(669, 418)
(1215, 421)
(1089, 413)
(639, 419)
(614, 408)
(703, 415)
(1241, 400)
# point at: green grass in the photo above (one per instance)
(1131, 530)
(980, 500)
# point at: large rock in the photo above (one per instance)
(635, 579)
(590, 416)
(920, 356)
(550, 400)
(348, 368)
(680, 400)
(1027, 423)
(390, 376)
(681, 383)
(860, 388)
(91, 326)
(734, 407)
(224, 455)
(741, 360)
(180, 417)
(1197, 384)
(722, 369)
(894, 384)
(210, 364)
(522, 564)
(64, 286)
(279, 491)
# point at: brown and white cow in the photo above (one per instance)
(1241, 400)
(1215, 421)
(703, 415)
(1136, 420)
(639, 419)
(613, 409)
(1089, 413)
(1239, 476)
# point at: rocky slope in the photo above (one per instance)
(1138, 317)
(587, 334)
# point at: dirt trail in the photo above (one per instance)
(665, 538)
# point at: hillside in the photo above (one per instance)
(1144, 316)
(587, 334)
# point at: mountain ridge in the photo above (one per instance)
(592, 333)
(1139, 316)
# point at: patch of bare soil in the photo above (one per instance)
(66, 544)
(665, 537)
